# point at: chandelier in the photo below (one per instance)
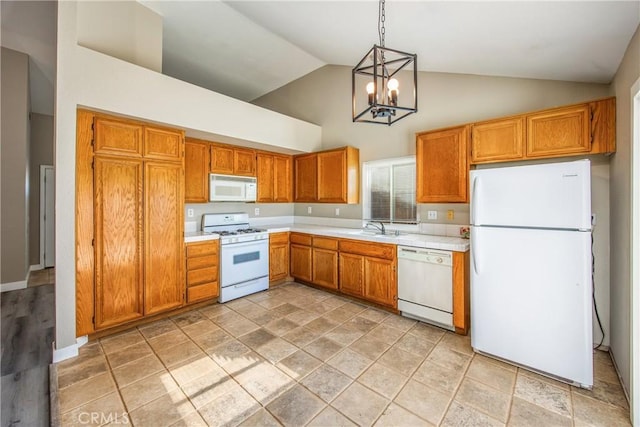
(384, 84)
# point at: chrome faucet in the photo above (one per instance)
(374, 225)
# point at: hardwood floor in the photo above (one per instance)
(27, 334)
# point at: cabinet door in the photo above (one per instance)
(305, 178)
(118, 241)
(603, 126)
(163, 144)
(114, 137)
(498, 140)
(222, 159)
(196, 172)
(332, 182)
(351, 274)
(164, 223)
(559, 132)
(244, 162)
(282, 183)
(278, 262)
(301, 262)
(441, 166)
(264, 169)
(380, 285)
(325, 268)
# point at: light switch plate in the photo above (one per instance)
(450, 214)
(432, 214)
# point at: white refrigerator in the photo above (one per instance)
(531, 265)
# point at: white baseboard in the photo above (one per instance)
(60, 354)
(36, 267)
(12, 286)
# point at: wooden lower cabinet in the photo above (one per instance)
(202, 270)
(278, 256)
(325, 268)
(380, 284)
(301, 262)
(351, 275)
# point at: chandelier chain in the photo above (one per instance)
(381, 19)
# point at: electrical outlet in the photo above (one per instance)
(450, 214)
(189, 213)
(256, 211)
(432, 214)
(337, 211)
(308, 209)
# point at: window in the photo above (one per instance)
(389, 188)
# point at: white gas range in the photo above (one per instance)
(244, 254)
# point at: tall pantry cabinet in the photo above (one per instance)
(135, 193)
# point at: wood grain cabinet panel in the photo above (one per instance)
(244, 162)
(282, 180)
(196, 172)
(163, 144)
(380, 284)
(118, 241)
(117, 137)
(305, 180)
(461, 292)
(301, 262)
(339, 176)
(498, 140)
(265, 176)
(325, 268)
(603, 126)
(278, 256)
(351, 274)
(164, 236)
(222, 159)
(202, 270)
(559, 131)
(441, 166)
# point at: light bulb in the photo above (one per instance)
(370, 88)
(393, 84)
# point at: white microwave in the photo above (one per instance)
(232, 188)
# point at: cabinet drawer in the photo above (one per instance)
(301, 239)
(325, 243)
(195, 263)
(202, 275)
(367, 249)
(204, 291)
(199, 249)
(279, 238)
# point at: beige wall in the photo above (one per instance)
(627, 74)
(41, 153)
(14, 154)
(266, 209)
(123, 29)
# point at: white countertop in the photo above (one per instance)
(426, 241)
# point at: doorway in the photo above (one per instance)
(635, 254)
(47, 216)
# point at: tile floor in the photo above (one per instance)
(298, 356)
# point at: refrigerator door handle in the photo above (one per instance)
(474, 203)
(474, 254)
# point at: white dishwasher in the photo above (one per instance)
(425, 285)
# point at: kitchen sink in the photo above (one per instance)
(372, 233)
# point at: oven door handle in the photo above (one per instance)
(263, 242)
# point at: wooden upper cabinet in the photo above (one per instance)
(561, 131)
(164, 237)
(338, 176)
(305, 178)
(603, 126)
(441, 166)
(282, 179)
(117, 137)
(222, 159)
(196, 172)
(244, 162)
(163, 144)
(264, 173)
(118, 240)
(498, 140)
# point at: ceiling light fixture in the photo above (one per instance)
(380, 75)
